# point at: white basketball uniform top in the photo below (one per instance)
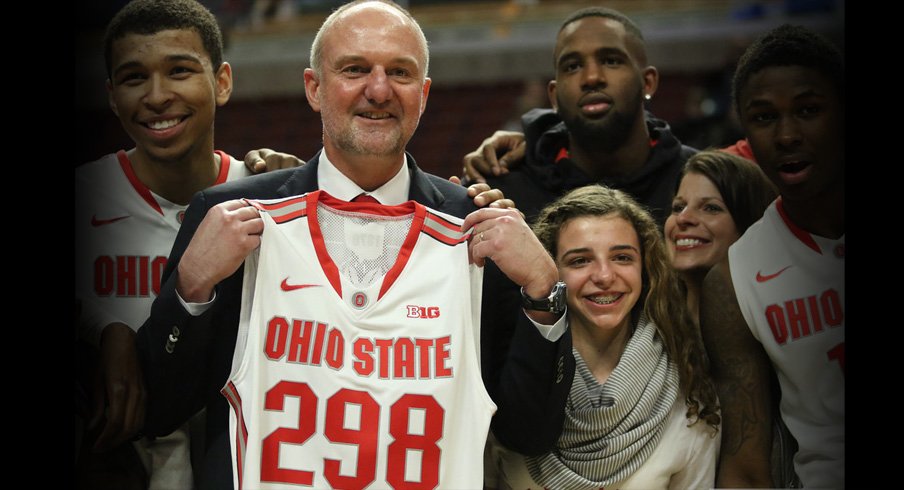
(790, 287)
(124, 233)
(356, 361)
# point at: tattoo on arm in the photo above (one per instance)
(740, 368)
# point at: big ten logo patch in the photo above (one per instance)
(423, 311)
(364, 239)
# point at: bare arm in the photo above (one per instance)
(119, 388)
(741, 371)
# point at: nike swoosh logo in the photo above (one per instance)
(102, 222)
(285, 286)
(761, 278)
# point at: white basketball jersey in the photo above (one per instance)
(356, 361)
(124, 233)
(790, 286)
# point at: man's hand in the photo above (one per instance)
(226, 235)
(119, 392)
(267, 160)
(503, 236)
(484, 196)
(498, 153)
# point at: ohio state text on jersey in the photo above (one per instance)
(356, 362)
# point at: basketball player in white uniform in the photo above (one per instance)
(356, 362)
(124, 232)
(777, 304)
(166, 77)
(791, 294)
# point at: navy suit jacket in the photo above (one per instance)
(526, 375)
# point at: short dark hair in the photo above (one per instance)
(608, 13)
(789, 45)
(745, 189)
(152, 16)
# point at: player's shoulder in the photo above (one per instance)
(104, 176)
(102, 164)
(760, 232)
(236, 167)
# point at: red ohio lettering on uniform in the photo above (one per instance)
(303, 344)
(128, 276)
(801, 317)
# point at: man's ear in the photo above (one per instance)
(311, 88)
(224, 83)
(426, 92)
(650, 81)
(551, 92)
(110, 99)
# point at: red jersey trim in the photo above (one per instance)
(282, 211)
(444, 231)
(407, 247)
(225, 163)
(801, 234)
(326, 262)
(139, 187)
(145, 193)
(241, 436)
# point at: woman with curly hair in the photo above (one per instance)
(642, 411)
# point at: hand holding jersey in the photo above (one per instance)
(228, 233)
(503, 236)
(368, 81)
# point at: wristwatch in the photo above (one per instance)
(554, 303)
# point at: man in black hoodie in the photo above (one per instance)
(598, 130)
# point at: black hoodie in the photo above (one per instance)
(541, 179)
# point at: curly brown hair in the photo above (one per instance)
(663, 292)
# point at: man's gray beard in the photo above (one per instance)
(352, 143)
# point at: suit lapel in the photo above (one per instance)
(422, 190)
(303, 179)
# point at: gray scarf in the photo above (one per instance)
(611, 429)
